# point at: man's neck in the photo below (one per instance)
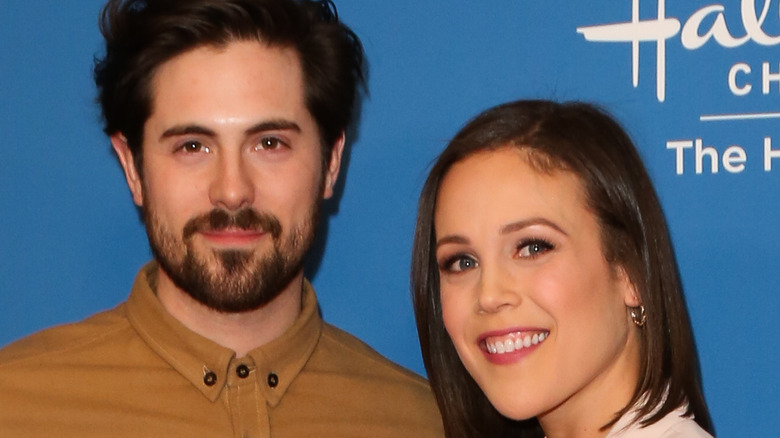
(241, 332)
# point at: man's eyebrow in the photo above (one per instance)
(274, 125)
(268, 125)
(187, 130)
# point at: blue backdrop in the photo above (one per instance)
(696, 83)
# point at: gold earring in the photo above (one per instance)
(638, 315)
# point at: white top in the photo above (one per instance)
(673, 425)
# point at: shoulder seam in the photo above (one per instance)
(69, 346)
(377, 358)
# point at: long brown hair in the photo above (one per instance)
(586, 141)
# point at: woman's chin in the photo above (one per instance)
(514, 409)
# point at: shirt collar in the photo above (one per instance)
(630, 423)
(194, 356)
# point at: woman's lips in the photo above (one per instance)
(509, 346)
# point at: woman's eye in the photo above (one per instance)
(533, 248)
(459, 264)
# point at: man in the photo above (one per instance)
(228, 118)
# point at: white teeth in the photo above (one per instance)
(515, 341)
(509, 346)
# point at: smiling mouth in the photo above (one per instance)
(514, 341)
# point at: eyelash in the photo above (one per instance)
(263, 144)
(448, 264)
(277, 143)
(541, 247)
(184, 147)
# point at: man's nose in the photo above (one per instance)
(232, 185)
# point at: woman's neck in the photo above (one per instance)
(584, 413)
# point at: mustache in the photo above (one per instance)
(244, 219)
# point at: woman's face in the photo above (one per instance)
(536, 313)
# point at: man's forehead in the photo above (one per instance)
(241, 82)
(251, 58)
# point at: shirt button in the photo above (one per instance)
(273, 380)
(242, 371)
(210, 378)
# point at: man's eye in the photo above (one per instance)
(270, 143)
(459, 264)
(533, 248)
(194, 146)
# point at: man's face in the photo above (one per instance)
(232, 173)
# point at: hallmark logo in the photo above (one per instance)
(662, 28)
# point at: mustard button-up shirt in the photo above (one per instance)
(135, 371)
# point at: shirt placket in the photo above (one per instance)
(248, 407)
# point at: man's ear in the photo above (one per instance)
(119, 142)
(334, 164)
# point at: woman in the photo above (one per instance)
(545, 285)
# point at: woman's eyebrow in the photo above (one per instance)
(453, 238)
(519, 225)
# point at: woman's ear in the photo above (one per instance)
(631, 296)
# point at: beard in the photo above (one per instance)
(231, 281)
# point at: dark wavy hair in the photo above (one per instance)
(584, 140)
(141, 35)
